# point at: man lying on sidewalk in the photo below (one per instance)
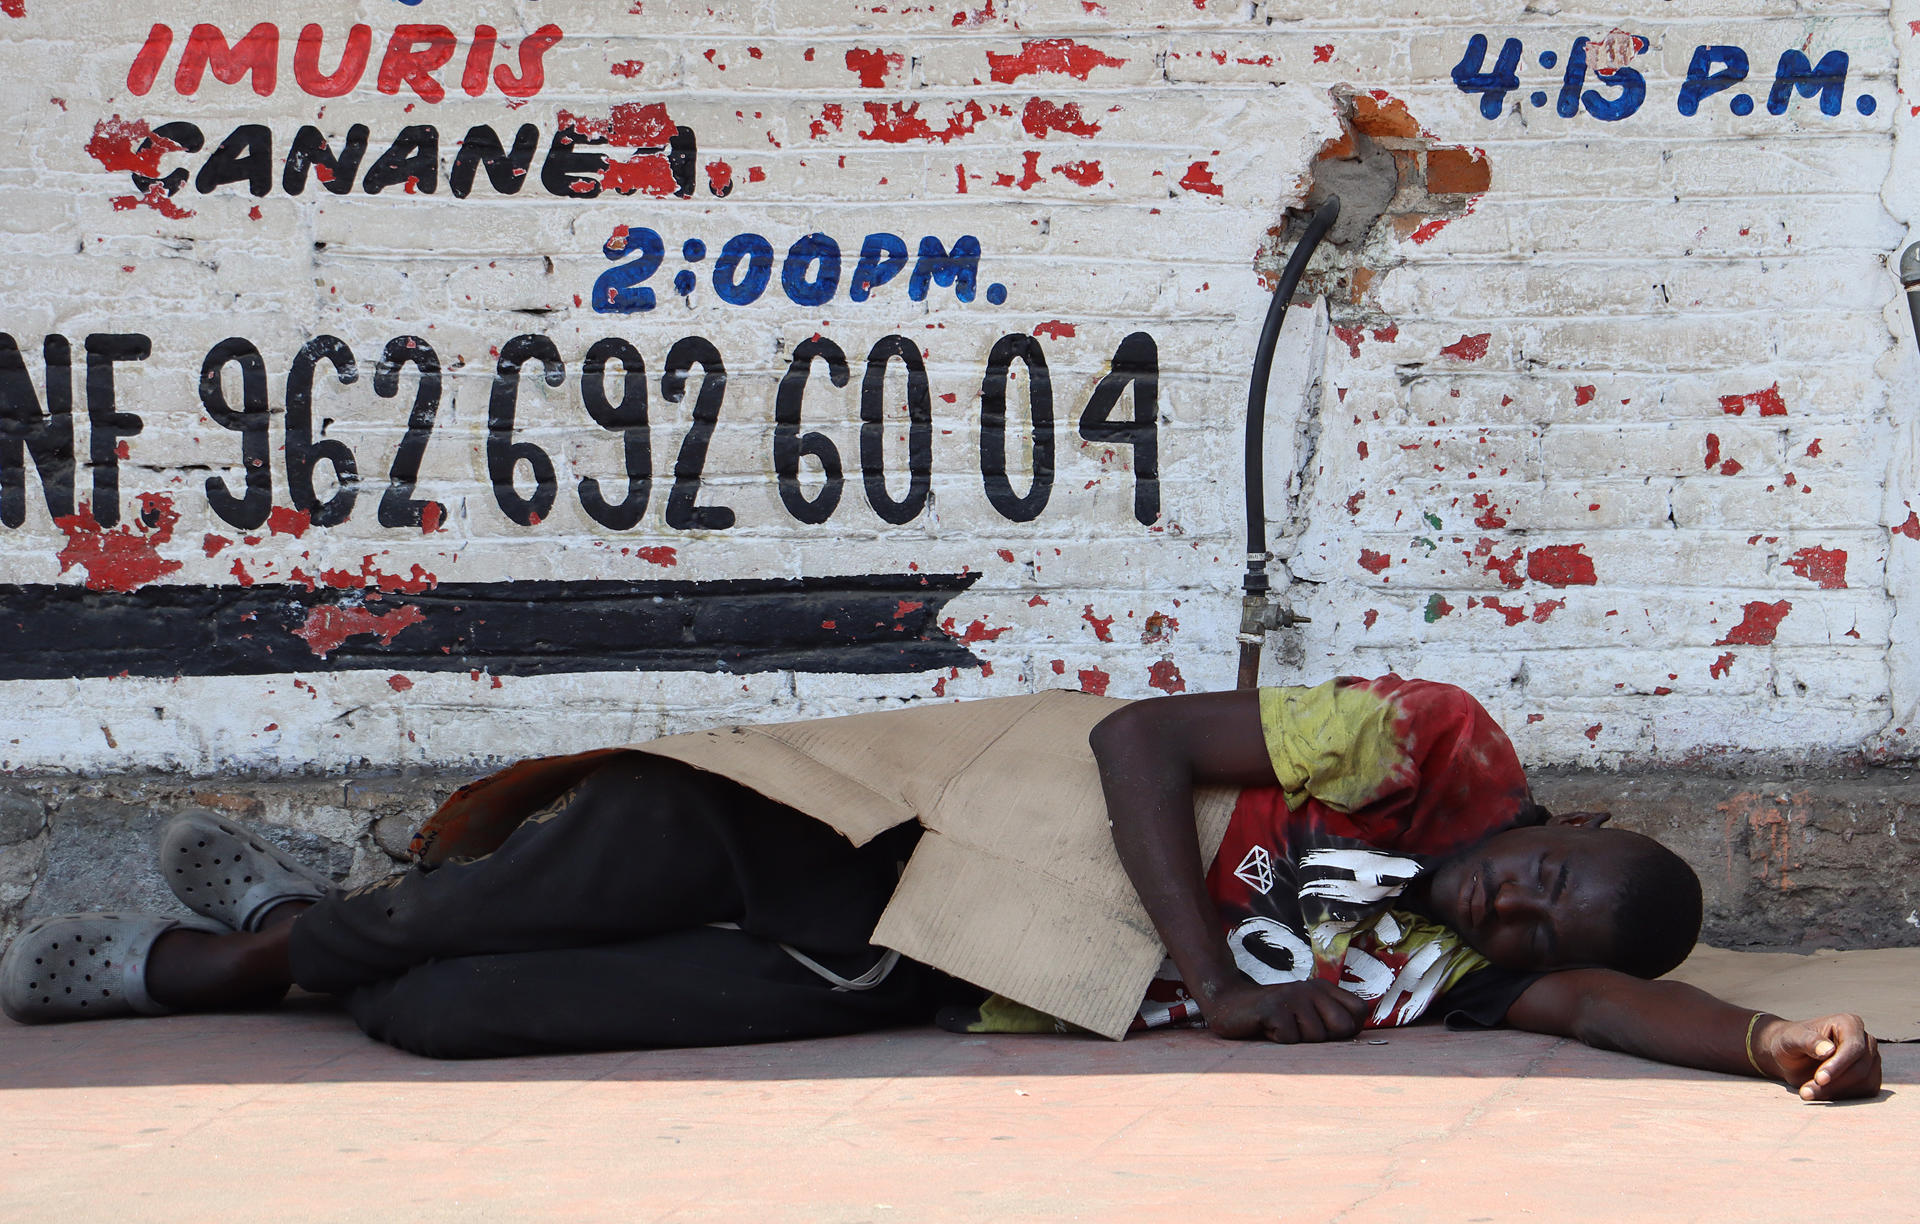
(1383, 862)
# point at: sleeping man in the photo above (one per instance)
(1382, 863)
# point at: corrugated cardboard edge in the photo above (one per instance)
(1881, 985)
(1016, 886)
(862, 774)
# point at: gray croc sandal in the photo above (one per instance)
(85, 966)
(219, 869)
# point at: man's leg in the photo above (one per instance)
(702, 987)
(634, 850)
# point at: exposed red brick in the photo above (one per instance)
(1458, 172)
(1380, 115)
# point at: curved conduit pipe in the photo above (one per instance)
(1258, 614)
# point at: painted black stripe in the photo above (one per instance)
(869, 623)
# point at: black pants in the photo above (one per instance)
(587, 929)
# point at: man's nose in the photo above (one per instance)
(1515, 900)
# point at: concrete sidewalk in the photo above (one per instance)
(294, 1116)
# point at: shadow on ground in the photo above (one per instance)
(309, 1042)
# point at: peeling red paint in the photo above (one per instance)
(240, 573)
(283, 520)
(1353, 503)
(1005, 554)
(1351, 337)
(1713, 450)
(1722, 666)
(1593, 733)
(975, 632)
(1514, 614)
(629, 125)
(1323, 53)
(897, 124)
(1813, 449)
(1373, 562)
(212, 544)
(1825, 567)
(1059, 667)
(1055, 328)
(117, 144)
(154, 197)
(1767, 402)
(1469, 348)
(645, 174)
(1561, 565)
(628, 68)
(1199, 180)
(1095, 681)
(127, 556)
(1490, 519)
(1545, 609)
(1910, 528)
(977, 17)
(1080, 173)
(1368, 620)
(369, 576)
(658, 554)
(833, 113)
(1102, 625)
(1040, 116)
(719, 177)
(328, 626)
(1758, 627)
(1361, 447)
(1507, 569)
(1061, 55)
(1584, 395)
(907, 607)
(399, 683)
(1164, 676)
(872, 66)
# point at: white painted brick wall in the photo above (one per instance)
(1628, 276)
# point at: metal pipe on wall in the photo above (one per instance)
(1258, 614)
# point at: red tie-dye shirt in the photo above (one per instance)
(1377, 780)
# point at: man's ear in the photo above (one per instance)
(1581, 820)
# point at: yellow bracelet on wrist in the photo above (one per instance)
(1750, 1058)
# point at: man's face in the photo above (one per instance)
(1533, 899)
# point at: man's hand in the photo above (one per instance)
(1833, 1058)
(1313, 1010)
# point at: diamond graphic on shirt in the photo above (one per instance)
(1257, 870)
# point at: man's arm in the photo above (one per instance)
(1829, 1059)
(1151, 754)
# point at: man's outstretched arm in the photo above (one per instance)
(1829, 1059)
(1151, 754)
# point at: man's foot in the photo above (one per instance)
(220, 869)
(207, 971)
(90, 966)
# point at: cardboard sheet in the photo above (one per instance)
(1016, 886)
(1881, 985)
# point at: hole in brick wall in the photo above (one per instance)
(1396, 186)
